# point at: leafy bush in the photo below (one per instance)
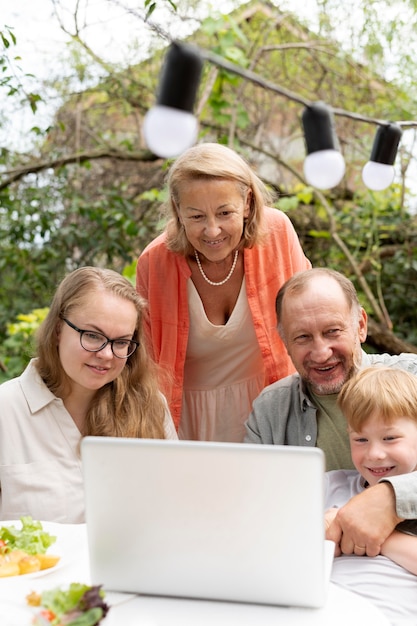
(18, 347)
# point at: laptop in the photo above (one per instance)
(219, 521)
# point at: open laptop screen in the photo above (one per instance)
(220, 521)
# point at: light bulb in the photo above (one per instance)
(324, 165)
(168, 132)
(170, 127)
(377, 176)
(324, 169)
(379, 172)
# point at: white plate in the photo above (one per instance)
(63, 547)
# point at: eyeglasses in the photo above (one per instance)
(94, 342)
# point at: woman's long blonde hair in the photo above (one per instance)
(213, 161)
(129, 406)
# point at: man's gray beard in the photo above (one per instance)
(327, 389)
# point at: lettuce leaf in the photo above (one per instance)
(31, 538)
(60, 601)
(79, 605)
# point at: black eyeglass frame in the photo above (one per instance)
(136, 344)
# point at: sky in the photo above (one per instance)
(40, 37)
(42, 47)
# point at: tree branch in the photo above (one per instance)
(17, 174)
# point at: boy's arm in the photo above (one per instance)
(402, 549)
(329, 516)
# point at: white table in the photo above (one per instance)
(342, 607)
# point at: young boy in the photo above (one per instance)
(380, 406)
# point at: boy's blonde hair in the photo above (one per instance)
(388, 391)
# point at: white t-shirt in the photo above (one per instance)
(388, 585)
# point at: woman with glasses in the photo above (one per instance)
(211, 280)
(91, 376)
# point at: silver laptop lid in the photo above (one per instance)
(220, 521)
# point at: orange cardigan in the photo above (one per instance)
(161, 278)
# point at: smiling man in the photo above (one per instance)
(323, 325)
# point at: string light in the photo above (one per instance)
(379, 172)
(170, 127)
(324, 166)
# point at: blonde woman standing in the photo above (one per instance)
(210, 281)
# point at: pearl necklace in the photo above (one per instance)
(211, 282)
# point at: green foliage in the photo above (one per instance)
(18, 347)
(150, 6)
(9, 77)
(7, 39)
(381, 237)
(129, 272)
(90, 193)
(46, 229)
(227, 34)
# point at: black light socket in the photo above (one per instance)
(319, 128)
(180, 77)
(385, 146)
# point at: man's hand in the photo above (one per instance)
(362, 525)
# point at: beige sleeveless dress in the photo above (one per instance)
(223, 373)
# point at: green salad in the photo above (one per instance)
(79, 605)
(31, 538)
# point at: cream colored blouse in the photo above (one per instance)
(40, 466)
